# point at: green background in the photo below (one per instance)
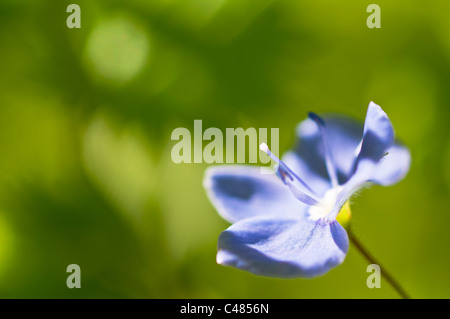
(86, 117)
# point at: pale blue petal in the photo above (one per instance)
(316, 182)
(378, 135)
(390, 169)
(373, 163)
(283, 247)
(393, 166)
(307, 159)
(241, 191)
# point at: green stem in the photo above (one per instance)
(372, 260)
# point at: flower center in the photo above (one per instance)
(326, 204)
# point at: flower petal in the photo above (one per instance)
(240, 191)
(393, 166)
(308, 171)
(283, 247)
(378, 135)
(307, 160)
(379, 160)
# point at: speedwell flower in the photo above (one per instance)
(288, 228)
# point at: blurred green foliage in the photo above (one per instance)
(86, 116)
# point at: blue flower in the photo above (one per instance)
(288, 228)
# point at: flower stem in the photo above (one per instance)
(363, 250)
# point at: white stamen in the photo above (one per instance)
(263, 147)
(284, 171)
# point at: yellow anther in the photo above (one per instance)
(345, 214)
